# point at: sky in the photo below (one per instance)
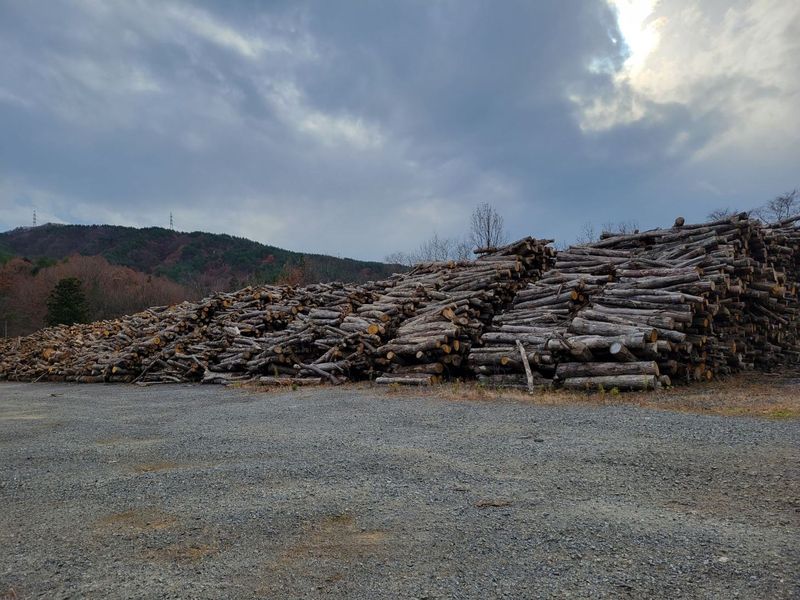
(360, 128)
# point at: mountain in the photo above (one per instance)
(204, 261)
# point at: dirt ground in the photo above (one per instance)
(365, 492)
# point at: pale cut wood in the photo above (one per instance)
(526, 364)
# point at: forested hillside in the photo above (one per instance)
(124, 269)
(204, 261)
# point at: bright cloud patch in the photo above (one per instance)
(728, 61)
(360, 128)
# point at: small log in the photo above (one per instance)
(619, 352)
(526, 364)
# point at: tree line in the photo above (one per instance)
(78, 289)
(486, 230)
(88, 288)
(779, 208)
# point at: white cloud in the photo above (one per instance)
(11, 98)
(203, 25)
(737, 61)
(326, 129)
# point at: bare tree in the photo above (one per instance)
(781, 207)
(399, 258)
(587, 234)
(434, 249)
(463, 250)
(487, 227)
(621, 227)
(718, 214)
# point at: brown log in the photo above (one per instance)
(621, 382)
(572, 370)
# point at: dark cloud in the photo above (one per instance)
(347, 128)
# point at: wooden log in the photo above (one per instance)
(586, 327)
(526, 364)
(426, 368)
(620, 353)
(572, 347)
(597, 369)
(406, 380)
(621, 382)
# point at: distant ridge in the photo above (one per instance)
(216, 260)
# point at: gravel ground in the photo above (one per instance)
(207, 492)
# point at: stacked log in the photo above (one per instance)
(451, 304)
(170, 344)
(683, 304)
(281, 334)
(635, 311)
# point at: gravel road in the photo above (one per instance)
(207, 492)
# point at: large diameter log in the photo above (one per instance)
(599, 342)
(548, 300)
(426, 368)
(574, 348)
(657, 321)
(586, 327)
(621, 382)
(571, 370)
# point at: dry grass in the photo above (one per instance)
(155, 467)
(147, 519)
(752, 395)
(323, 554)
(772, 396)
(335, 536)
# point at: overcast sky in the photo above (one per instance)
(360, 128)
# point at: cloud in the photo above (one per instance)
(358, 129)
(732, 60)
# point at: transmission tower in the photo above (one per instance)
(171, 223)
(34, 217)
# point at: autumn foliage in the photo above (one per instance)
(110, 290)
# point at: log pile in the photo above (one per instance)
(643, 310)
(633, 311)
(185, 342)
(410, 327)
(452, 304)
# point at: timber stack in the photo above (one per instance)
(643, 310)
(412, 328)
(452, 304)
(634, 311)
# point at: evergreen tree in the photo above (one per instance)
(67, 304)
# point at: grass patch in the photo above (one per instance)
(759, 395)
(144, 519)
(768, 396)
